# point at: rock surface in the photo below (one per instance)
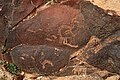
(62, 26)
(111, 6)
(107, 58)
(17, 10)
(40, 59)
(71, 39)
(57, 25)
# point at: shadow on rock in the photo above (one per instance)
(108, 58)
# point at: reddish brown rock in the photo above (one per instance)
(58, 25)
(2, 35)
(19, 9)
(108, 58)
(40, 59)
(2, 32)
(23, 8)
(1, 56)
(98, 21)
(72, 3)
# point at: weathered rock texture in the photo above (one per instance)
(58, 25)
(55, 26)
(107, 58)
(42, 59)
(42, 39)
(17, 10)
(112, 6)
(98, 21)
(2, 31)
(102, 54)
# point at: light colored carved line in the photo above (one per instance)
(48, 39)
(33, 3)
(46, 62)
(65, 42)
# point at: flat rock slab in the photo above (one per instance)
(2, 31)
(57, 25)
(23, 8)
(107, 58)
(61, 26)
(40, 59)
(19, 9)
(98, 21)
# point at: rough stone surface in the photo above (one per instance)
(24, 7)
(115, 77)
(2, 34)
(41, 59)
(2, 31)
(57, 25)
(53, 39)
(17, 10)
(61, 25)
(98, 21)
(76, 77)
(107, 58)
(112, 6)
